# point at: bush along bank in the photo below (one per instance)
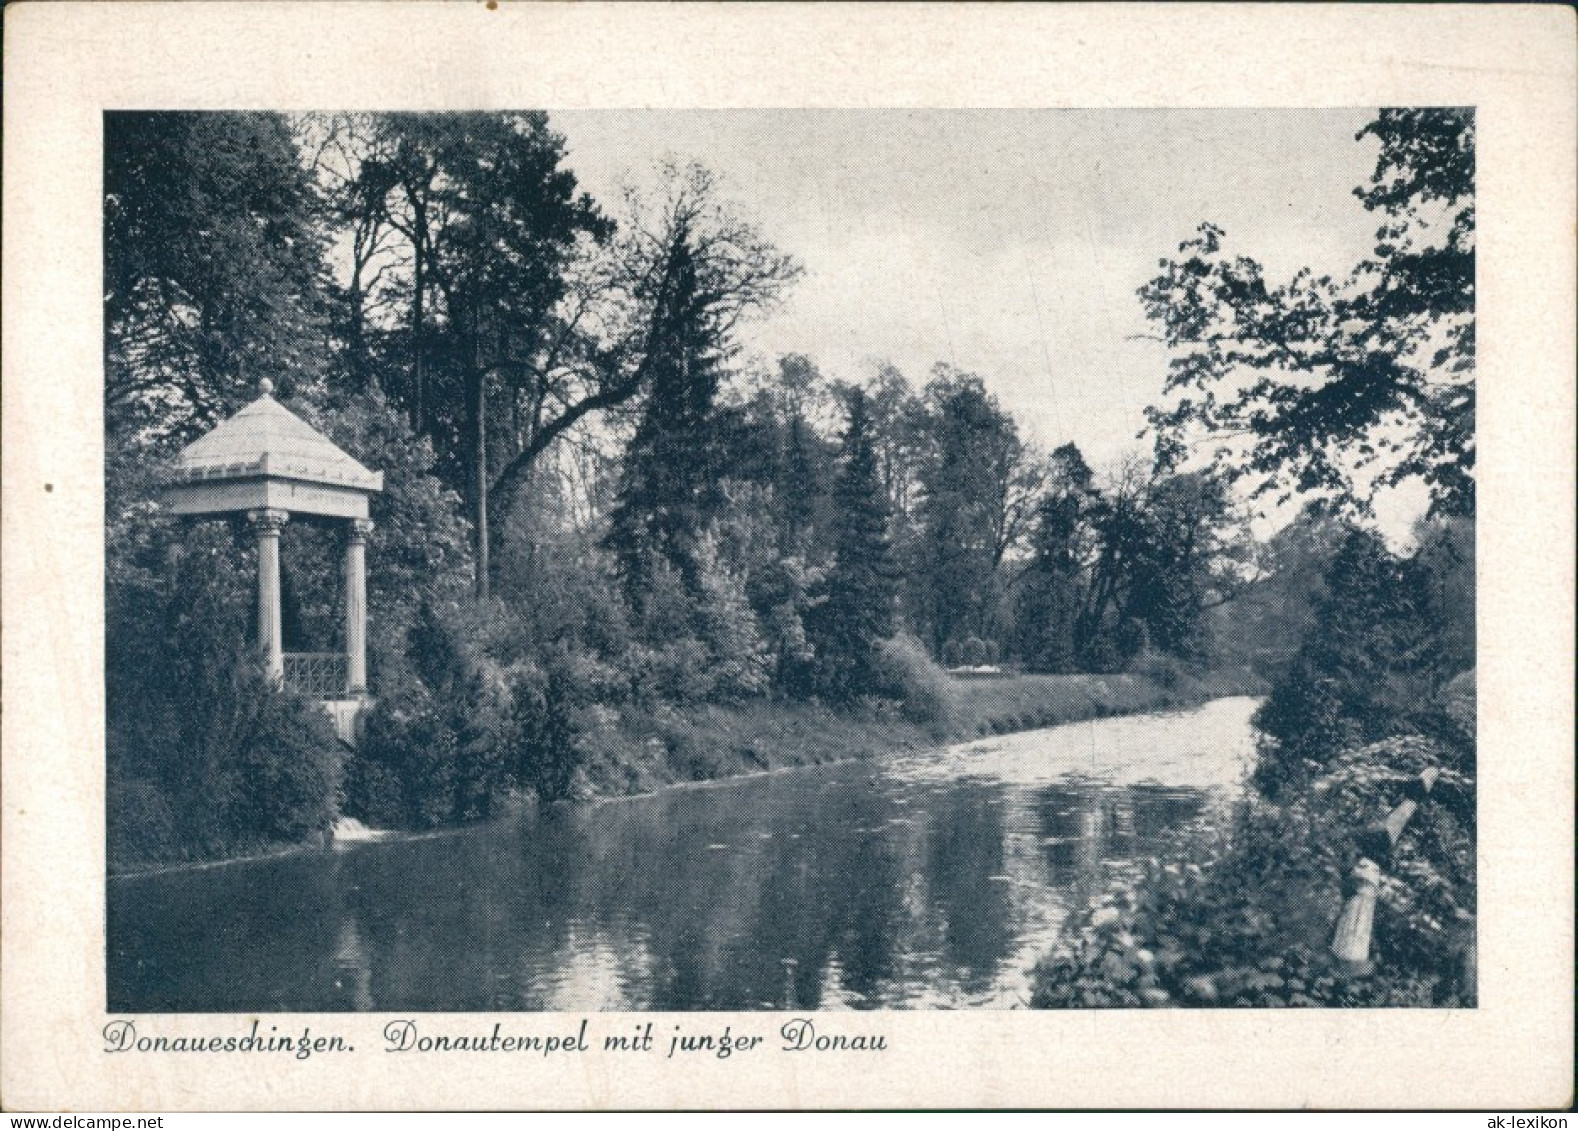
(1246, 913)
(570, 731)
(462, 730)
(636, 749)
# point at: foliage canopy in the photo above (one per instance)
(1337, 387)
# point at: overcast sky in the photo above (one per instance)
(1009, 243)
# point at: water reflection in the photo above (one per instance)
(930, 881)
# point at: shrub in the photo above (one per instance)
(1368, 671)
(288, 766)
(204, 756)
(1246, 918)
(925, 692)
(1165, 671)
(548, 750)
(404, 771)
(676, 672)
(140, 822)
(224, 769)
(678, 655)
(690, 753)
(1101, 655)
(374, 792)
(1457, 711)
(738, 659)
(1133, 641)
(441, 743)
(487, 737)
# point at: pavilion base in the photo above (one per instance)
(347, 717)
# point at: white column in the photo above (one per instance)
(268, 524)
(356, 605)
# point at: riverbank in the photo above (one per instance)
(633, 751)
(640, 751)
(919, 881)
(1244, 914)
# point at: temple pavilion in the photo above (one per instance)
(269, 464)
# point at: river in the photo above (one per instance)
(933, 880)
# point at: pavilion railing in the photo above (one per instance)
(319, 675)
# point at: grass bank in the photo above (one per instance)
(988, 705)
(638, 750)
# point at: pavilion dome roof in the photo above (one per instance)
(266, 440)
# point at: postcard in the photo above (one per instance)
(581, 556)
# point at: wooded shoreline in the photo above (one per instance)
(597, 546)
(732, 739)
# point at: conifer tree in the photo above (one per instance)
(801, 483)
(1369, 670)
(862, 585)
(670, 488)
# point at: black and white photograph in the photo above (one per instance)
(731, 560)
(700, 583)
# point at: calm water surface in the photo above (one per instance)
(933, 880)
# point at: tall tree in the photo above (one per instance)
(801, 485)
(1167, 549)
(620, 320)
(507, 223)
(694, 270)
(1338, 387)
(975, 503)
(898, 429)
(213, 267)
(862, 585)
(350, 154)
(1055, 583)
(1176, 561)
(778, 446)
(1265, 626)
(670, 489)
(464, 231)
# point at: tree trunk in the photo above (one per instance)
(356, 342)
(483, 537)
(477, 425)
(418, 332)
